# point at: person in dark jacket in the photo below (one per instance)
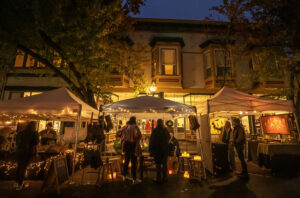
(159, 148)
(26, 141)
(48, 136)
(239, 139)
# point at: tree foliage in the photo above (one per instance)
(269, 30)
(87, 38)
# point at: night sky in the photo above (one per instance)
(179, 9)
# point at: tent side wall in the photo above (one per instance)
(206, 142)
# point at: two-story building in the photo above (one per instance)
(186, 62)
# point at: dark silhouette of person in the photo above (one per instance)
(130, 140)
(159, 149)
(239, 139)
(26, 141)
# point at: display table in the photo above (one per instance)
(220, 158)
(252, 150)
(279, 157)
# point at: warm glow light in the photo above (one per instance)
(241, 112)
(114, 175)
(186, 174)
(170, 172)
(153, 88)
(8, 122)
(197, 157)
(185, 154)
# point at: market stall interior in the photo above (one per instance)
(147, 110)
(59, 105)
(267, 122)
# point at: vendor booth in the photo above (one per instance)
(59, 105)
(267, 122)
(147, 110)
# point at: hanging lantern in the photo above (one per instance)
(186, 174)
(114, 175)
(170, 172)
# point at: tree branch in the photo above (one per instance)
(50, 66)
(54, 46)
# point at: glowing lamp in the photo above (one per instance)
(114, 175)
(185, 154)
(170, 172)
(153, 88)
(123, 162)
(186, 174)
(197, 157)
(109, 176)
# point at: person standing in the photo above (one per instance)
(227, 138)
(158, 147)
(130, 139)
(26, 141)
(174, 153)
(48, 136)
(239, 140)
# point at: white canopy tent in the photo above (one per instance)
(229, 102)
(148, 107)
(228, 99)
(58, 104)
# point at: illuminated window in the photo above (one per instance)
(168, 62)
(39, 64)
(207, 64)
(222, 68)
(26, 94)
(19, 61)
(29, 61)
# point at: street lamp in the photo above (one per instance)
(153, 88)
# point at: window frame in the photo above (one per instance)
(162, 66)
(225, 67)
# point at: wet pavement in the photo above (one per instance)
(258, 186)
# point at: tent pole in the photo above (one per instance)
(297, 124)
(76, 140)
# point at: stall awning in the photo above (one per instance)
(148, 106)
(58, 104)
(228, 99)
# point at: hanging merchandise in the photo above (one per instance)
(169, 123)
(102, 121)
(109, 123)
(148, 126)
(194, 125)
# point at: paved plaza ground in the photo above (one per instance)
(260, 185)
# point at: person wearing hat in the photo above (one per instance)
(48, 136)
(239, 140)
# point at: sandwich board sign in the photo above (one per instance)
(57, 174)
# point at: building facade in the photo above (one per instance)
(185, 61)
